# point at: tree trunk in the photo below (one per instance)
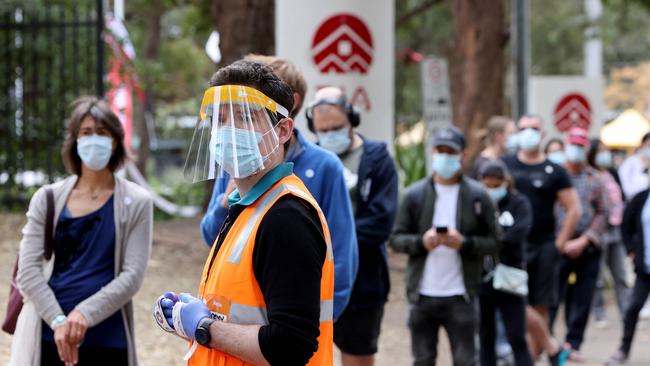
(477, 66)
(244, 26)
(151, 52)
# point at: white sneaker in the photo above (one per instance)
(602, 324)
(645, 312)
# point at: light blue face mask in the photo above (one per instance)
(646, 152)
(604, 159)
(575, 153)
(557, 157)
(95, 151)
(497, 194)
(512, 143)
(529, 139)
(446, 165)
(337, 141)
(237, 151)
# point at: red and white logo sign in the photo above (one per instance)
(573, 110)
(342, 44)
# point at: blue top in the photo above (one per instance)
(84, 262)
(322, 173)
(645, 221)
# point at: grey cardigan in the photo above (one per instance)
(133, 235)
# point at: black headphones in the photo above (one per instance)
(352, 112)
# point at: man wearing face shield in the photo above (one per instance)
(371, 180)
(446, 223)
(544, 183)
(580, 261)
(322, 173)
(266, 293)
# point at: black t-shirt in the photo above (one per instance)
(289, 253)
(540, 183)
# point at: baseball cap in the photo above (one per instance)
(449, 136)
(578, 136)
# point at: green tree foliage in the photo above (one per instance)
(428, 33)
(48, 58)
(558, 34)
(181, 69)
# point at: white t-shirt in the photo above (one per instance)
(443, 270)
(634, 176)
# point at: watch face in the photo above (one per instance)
(202, 333)
(202, 336)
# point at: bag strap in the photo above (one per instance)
(49, 223)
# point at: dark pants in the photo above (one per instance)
(88, 356)
(513, 313)
(638, 298)
(577, 295)
(457, 315)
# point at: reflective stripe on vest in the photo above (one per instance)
(246, 314)
(262, 207)
(232, 292)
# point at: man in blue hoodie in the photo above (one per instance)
(371, 179)
(322, 173)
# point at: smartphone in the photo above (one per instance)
(441, 230)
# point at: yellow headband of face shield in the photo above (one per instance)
(238, 94)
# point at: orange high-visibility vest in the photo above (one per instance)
(232, 292)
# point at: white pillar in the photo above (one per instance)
(118, 9)
(593, 47)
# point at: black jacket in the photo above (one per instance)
(632, 230)
(376, 207)
(476, 220)
(515, 219)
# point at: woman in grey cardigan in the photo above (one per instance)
(78, 304)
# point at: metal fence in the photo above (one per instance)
(51, 53)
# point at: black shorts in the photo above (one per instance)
(357, 330)
(543, 272)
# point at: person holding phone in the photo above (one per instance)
(446, 223)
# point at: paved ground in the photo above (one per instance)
(177, 262)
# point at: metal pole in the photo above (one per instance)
(520, 56)
(118, 9)
(100, 48)
(593, 62)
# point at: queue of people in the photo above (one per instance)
(299, 234)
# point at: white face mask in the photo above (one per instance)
(95, 151)
(529, 139)
(575, 153)
(337, 141)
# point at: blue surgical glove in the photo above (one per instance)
(187, 313)
(162, 311)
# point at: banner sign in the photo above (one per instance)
(348, 44)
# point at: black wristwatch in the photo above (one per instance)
(202, 333)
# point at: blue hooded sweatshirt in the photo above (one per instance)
(322, 173)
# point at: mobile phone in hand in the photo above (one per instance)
(441, 230)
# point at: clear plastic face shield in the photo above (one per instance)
(235, 133)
